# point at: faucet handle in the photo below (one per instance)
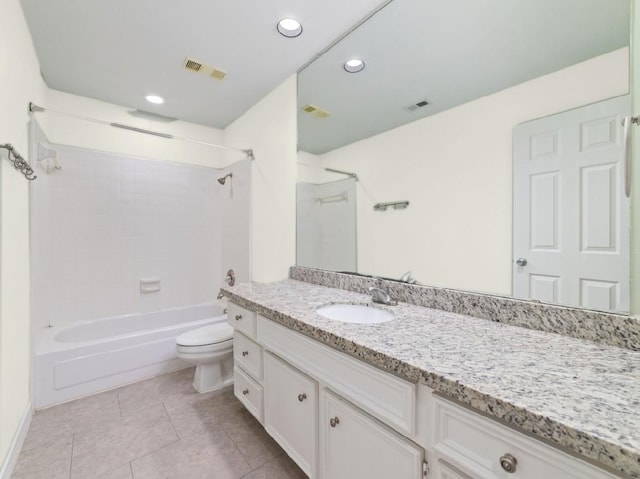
(407, 278)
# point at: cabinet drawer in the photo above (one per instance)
(383, 395)
(248, 355)
(476, 445)
(248, 392)
(242, 319)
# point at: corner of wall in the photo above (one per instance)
(270, 129)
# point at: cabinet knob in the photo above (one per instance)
(245, 392)
(245, 353)
(508, 463)
(334, 421)
(302, 397)
(238, 317)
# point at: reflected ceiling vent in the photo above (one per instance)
(415, 106)
(198, 67)
(315, 111)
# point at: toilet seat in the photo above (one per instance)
(205, 348)
(218, 336)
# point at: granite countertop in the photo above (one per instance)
(577, 394)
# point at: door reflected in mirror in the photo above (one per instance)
(434, 118)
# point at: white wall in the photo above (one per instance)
(455, 169)
(67, 130)
(105, 222)
(269, 128)
(20, 83)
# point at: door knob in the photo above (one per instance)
(521, 261)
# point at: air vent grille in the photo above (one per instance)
(415, 106)
(315, 111)
(199, 67)
(192, 65)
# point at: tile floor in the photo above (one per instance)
(155, 429)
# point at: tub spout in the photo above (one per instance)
(220, 295)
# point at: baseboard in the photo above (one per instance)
(16, 444)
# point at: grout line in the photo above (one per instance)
(119, 405)
(239, 450)
(173, 426)
(73, 445)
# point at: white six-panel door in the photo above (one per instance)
(571, 216)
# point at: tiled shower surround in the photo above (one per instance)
(104, 222)
(604, 328)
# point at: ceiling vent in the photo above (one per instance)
(415, 106)
(315, 111)
(198, 67)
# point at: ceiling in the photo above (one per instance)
(447, 53)
(119, 51)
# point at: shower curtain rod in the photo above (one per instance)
(37, 109)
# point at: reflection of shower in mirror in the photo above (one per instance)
(223, 179)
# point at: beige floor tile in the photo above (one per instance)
(249, 436)
(61, 422)
(281, 467)
(208, 455)
(50, 461)
(196, 414)
(154, 391)
(123, 472)
(115, 443)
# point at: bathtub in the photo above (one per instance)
(92, 356)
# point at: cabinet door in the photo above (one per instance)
(291, 411)
(355, 446)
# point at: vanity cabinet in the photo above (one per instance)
(338, 417)
(355, 445)
(291, 411)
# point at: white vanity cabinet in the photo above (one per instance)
(355, 445)
(291, 411)
(338, 417)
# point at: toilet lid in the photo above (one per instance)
(216, 333)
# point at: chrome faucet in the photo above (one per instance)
(407, 278)
(379, 295)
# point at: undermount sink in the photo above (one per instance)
(355, 313)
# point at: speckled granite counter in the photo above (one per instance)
(577, 394)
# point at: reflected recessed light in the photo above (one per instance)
(158, 100)
(289, 27)
(354, 66)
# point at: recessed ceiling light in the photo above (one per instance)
(289, 27)
(158, 100)
(354, 66)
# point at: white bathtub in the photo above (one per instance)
(91, 356)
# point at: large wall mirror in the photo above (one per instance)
(477, 144)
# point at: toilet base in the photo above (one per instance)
(213, 376)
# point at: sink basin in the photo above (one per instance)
(355, 313)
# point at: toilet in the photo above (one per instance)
(211, 349)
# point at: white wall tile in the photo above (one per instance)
(106, 221)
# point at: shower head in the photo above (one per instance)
(224, 178)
